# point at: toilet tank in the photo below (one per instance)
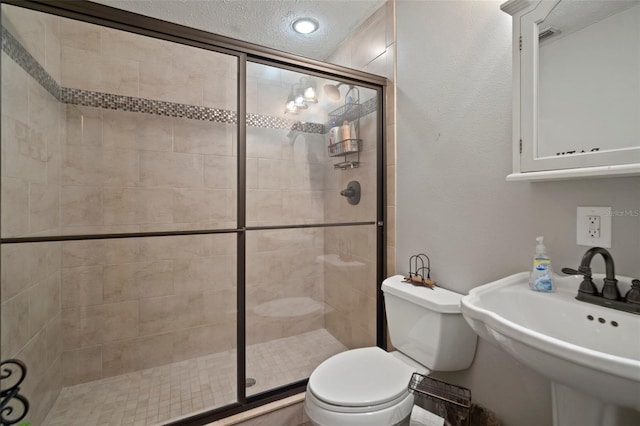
(427, 325)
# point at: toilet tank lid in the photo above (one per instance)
(436, 299)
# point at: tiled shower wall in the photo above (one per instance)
(351, 296)
(31, 273)
(103, 171)
(83, 310)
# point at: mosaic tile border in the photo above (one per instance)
(134, 104)
(14, 49)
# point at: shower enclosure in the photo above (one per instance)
(175, 246)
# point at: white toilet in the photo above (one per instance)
(369, 386)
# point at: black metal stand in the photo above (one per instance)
(10, 398)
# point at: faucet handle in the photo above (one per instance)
(633, 295)
(570, 271)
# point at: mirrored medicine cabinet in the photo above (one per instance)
(576, 88)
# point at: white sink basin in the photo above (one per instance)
(581, 347)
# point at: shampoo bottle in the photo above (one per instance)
(346, 136)
(541, 276)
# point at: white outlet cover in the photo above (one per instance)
(582, 228)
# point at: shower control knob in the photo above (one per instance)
(352, 192)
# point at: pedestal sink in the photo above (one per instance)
(591, 353)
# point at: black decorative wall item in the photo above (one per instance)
(13, 406)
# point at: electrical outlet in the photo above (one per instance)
(593, 227)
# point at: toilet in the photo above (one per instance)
(369, 386)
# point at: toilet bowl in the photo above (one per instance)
(366, 386)
(369, 386)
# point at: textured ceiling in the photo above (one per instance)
(264, 22)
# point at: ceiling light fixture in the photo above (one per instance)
(302, 94)
(305, 25)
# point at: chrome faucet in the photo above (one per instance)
(610, 295)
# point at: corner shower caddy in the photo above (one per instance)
(350, 111)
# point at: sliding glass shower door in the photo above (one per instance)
(311, 253)
(187, 227)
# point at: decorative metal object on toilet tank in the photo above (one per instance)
(352, 192)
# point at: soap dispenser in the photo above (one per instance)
(541, 276)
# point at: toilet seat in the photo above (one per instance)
(360, 380)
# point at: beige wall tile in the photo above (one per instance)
(273, 174)
(204, 274)
(137, 206)
(82, 365)
(83, 125)
(82, 165)
(264, 207)
(90, 165)
(136, 354)
(43, 109)
(82, 286)
(28, 27)
(198, 341)
(126, 45)
(91, 325)
(170, 169)
(100, 252)
(15, 324)
(188, 310)
(165, 82)
(212, 206)
(265, 143)
(132, 281)
(52, 45)
(219, 305)
(15, 207)
(203, 64)
(53, 332)
(186, 247)
(81, 205)
(203, 137)
(24, 152)
(34, 355)
(158, 314)
(220, 172)
(15, 89)
(220, 92)
(136, 130)
(80, 35)
(83, 69)
(23, 265)
(44, 207)
(44, 303)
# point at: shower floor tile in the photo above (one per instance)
(157, 395)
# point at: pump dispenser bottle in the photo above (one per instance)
(541, 276)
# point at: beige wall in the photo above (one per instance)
(454, 151)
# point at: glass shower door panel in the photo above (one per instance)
(291, 153)
(121, 132)
(311, 293)
(134, 329)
